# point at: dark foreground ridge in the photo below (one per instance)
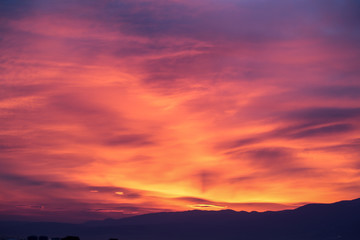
(337, 221)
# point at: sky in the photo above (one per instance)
(116, 108)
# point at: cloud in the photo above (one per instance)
(81, 105)
(351, 145)
(338, 91)
(207, 179)
(237, 143)
(203, 204)
(194, 200)
(130, 140)
(324, 131)
(28, 181)
(116, 107)
(124, 193)
(57, 199)
(11, 143)
(11, 91)
(266, 157)
(323, 115)
(15, 9)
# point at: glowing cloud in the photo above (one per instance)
(116, 108)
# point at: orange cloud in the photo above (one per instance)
(124, 108)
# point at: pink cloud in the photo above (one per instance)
(176, 104)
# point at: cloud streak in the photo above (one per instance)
(129, 107)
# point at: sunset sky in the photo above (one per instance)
(121, 107)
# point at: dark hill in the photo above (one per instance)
(339, 220)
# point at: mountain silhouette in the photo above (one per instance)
(337, 221)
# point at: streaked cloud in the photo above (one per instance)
(117, 108)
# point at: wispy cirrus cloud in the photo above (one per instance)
(128, 107)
